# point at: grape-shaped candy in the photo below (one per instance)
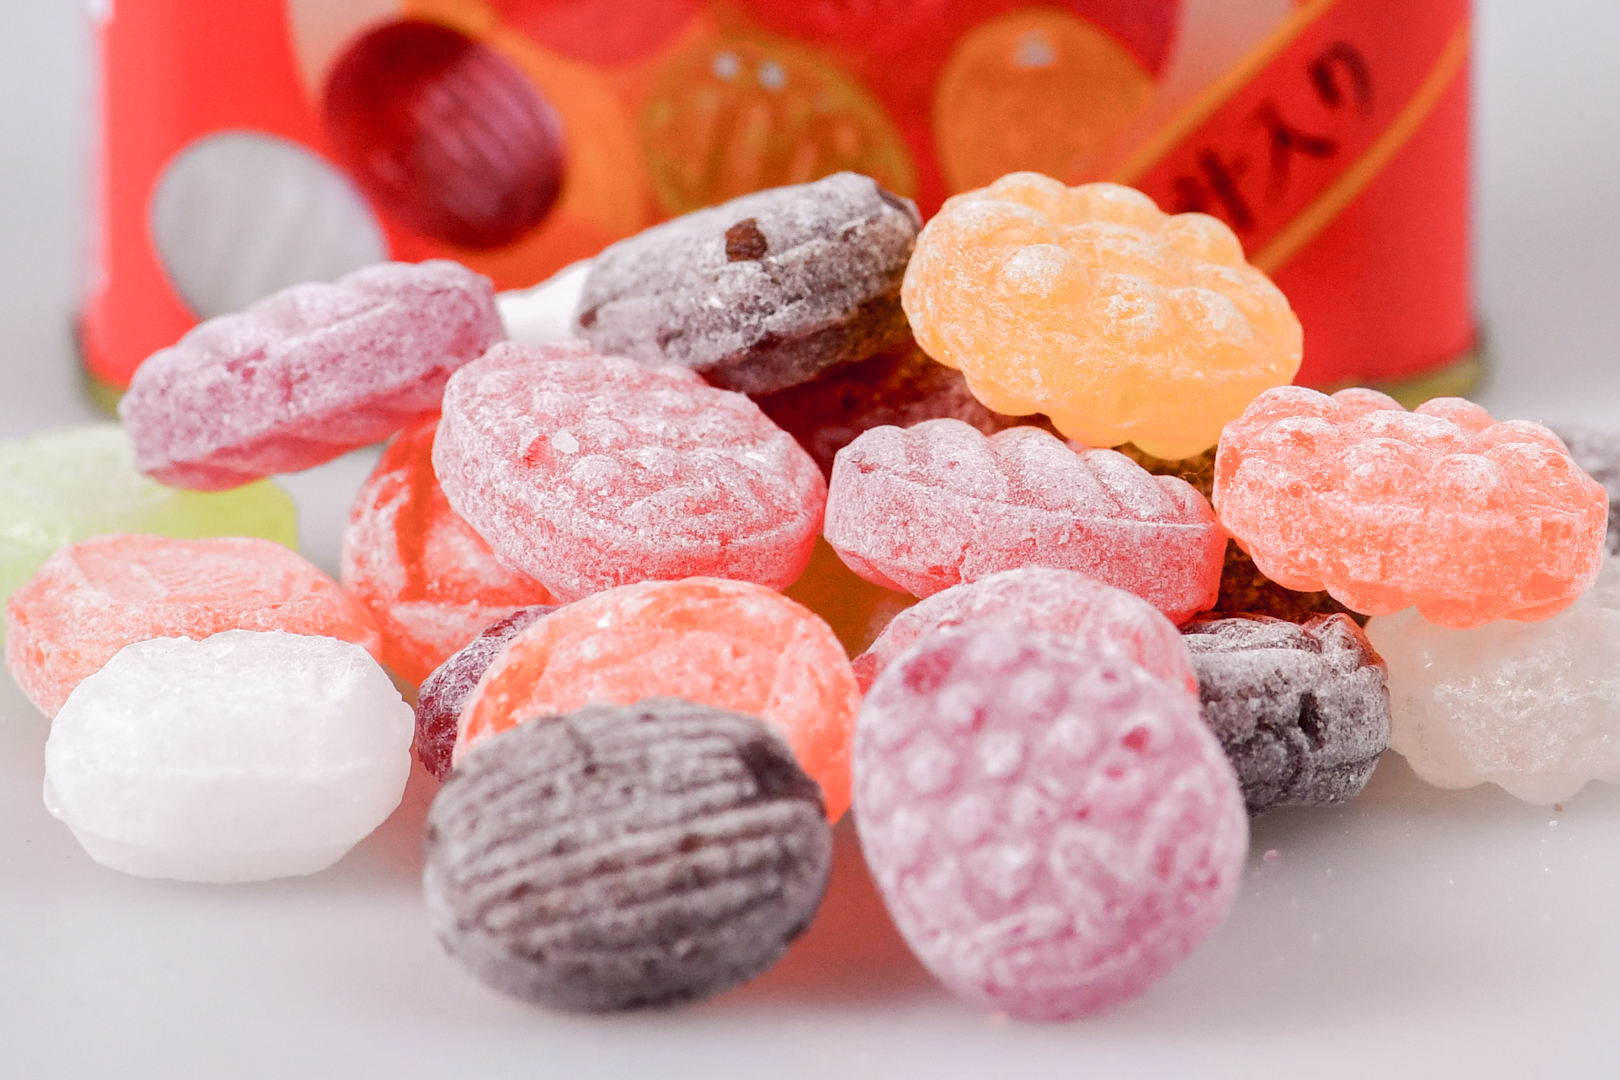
(307, 374)
(1121, 323)
(587, 472)
(921, 509)
(1051, 827)
(1443, 508)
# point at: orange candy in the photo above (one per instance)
(731, 644)
(91, 599)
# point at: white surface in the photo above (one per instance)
(1416, 932)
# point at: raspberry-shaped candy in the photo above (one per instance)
(1443, 508)
(586, 472)
(923, 508)
(1088, 304)
(1051, 827)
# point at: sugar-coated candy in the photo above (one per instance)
(1051, 826)
(1597, 452)
(1532, 707)
(429, 580)
(1302, 710)
(73, 483)
(244, 756)
(307, 374)
(1443, 508)
(927, 507)
(761, 292)
(856, 609)
(544, 314)
(1088, 304)
(92, 598)
(587, 471)
(625, 856)
(729, 644)
(1042, 598)
(443, 694)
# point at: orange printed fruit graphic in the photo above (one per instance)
(733, 115)
(1037, 90)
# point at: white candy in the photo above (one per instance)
(1534, 707)
(242, 757)
(544, 313)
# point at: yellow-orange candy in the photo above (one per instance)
(91, 599)
(1089, 304)
(731, 644)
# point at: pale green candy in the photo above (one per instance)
(73, 483)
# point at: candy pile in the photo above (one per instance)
(629, 557)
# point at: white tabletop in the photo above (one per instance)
(1414, 932)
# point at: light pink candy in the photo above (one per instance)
(1051, 827)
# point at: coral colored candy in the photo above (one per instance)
(588, 471)
(1121, 323)
(928, 507)
(92, 598)
(1468, 519)
(1052, 827)
(1534, 708)
(241, 757)
(1301, 710)
(856, 609)
(430, 582)
(1039, 598)
(307, 374)
(729, 644)
(73, 483)
(444, 693)
(1598, 453)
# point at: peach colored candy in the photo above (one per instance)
(91, 599)
(731, 644)
(428, 579)
(1468, 519)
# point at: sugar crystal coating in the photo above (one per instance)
(761, 292)
(1052, 827)
(92, 598)
(723, 643)
(1443, 508)
(924, 508)
(240, 757)
(307, 374)
(587, 471)
(1302, 711)
(429, 580)
(1532, 707)
(625, 856)
(1088, 304)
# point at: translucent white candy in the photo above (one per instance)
(241, 757)
(544, 313)
(1534, 707)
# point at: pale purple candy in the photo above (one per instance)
(307, 374)
(1051, 827)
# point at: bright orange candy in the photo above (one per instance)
(91, 599)
(1088, 304)
(731, 644)
(429, 580)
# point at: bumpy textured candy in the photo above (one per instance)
(307, 374)
(624, 856)
(443, 694)
(1598, 453)
(77, 482)
(1051, 827)
(1121, 323)
(241, 757)
(1533, 707)
(1301, 710)
(723, 643)
(1039, 598)
(92, 598)
(588, 471)
(761, 292)
(927, 507)
(428, 579)
(1442, 508)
